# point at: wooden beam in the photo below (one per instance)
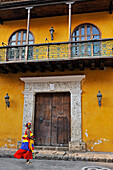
(3, 70)
(110, 7)
(28, 67)
(102, 64)
(31, 67)
(1, 21)
(60, 66)
(39, 66)
(70, 65)
(81, 64)
(20, 67)
(50, 67)
(92, 64)
(11, 68)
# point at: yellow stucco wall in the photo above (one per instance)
(97, 123)
(11, 118)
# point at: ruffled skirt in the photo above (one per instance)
(24, 152)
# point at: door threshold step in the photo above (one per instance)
(53, 148)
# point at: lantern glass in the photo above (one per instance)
(7, 100)
(99, 96)
(51, 32)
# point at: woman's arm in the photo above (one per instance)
(28, 134)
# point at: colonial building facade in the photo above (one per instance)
(55, 57)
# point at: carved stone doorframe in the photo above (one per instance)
(70, 84)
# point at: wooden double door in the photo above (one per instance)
(52, 119)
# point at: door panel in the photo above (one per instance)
(61, 108)
(52, 119)
(43, 119)
(62, 130)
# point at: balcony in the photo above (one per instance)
(57, 56)
(15, 9)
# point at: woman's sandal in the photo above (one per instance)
(36, 153)
(28, 162)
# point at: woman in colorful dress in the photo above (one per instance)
(27, 147)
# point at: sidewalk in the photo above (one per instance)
(64, 155)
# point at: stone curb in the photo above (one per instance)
(59, 157)
(6, 155)
(72, 158)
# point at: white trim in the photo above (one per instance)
(53, 79)
(70, 84)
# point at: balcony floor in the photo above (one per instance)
(56, 65)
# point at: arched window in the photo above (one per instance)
(19, 38)
(86, 32)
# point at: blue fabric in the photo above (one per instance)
(24, 146)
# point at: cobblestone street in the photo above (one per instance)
(15, 164)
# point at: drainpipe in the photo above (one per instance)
(27, 35)
(70, 3)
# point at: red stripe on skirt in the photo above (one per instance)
(23, 154)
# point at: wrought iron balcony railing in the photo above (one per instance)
(61, 50)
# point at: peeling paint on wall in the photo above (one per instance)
(86, 133)
(99, 142)
(9, 143)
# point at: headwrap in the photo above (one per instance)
(28, 124)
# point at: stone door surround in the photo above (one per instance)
(70, 84)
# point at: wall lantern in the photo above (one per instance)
(7, 100)
(3, 44)
(51, 32)
(99, 97)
